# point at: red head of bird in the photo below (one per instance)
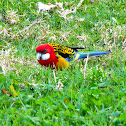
(46, 55)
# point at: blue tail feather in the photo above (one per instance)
(84, 55)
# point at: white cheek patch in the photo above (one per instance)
(41, 56)
(45, 56)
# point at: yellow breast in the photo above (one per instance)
(62, 63)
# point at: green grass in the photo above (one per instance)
(98, 100)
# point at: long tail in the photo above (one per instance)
(84, 55)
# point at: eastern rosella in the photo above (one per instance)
(60, 56)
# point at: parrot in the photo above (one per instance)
(60, 56)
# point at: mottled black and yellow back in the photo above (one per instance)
(62, 50)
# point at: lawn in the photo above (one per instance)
(34, 95)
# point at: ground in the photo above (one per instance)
(35, 95)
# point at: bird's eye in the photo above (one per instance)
(44, 51)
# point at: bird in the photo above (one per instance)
(60, 56)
